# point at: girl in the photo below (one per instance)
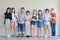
(34, 23)
(14, 21)
(40, 23)
(27, 23)
(7, 17)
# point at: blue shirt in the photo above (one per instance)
(21, 17)
(47, 17)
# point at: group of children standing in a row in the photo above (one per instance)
(38, 24)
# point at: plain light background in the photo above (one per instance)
(29, 5)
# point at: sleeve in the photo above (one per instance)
(55, 15)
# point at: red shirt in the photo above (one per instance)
(53, 15)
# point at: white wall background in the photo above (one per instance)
(29, 5)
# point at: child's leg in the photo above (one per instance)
(39, 31)
(23, 28)
(35, 30)
(26, 29)
(19, 28)
(49, 30)
(45, 29)
(15, 27)
(53, 29)
(42, 31)
(32, 29)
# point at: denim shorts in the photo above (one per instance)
(7, 21)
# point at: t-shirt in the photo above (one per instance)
(21, 17)
(14, 15)
(8, 16)
(47, 17)
(28, 19)
(53, 20)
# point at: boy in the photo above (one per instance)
(21, 22)
(47, 23)
(53, 22)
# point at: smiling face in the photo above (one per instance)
(8, 10)
(40, 12)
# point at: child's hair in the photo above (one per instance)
(22, 8)
(27, 11)
(34, 10)
(13, 8)
(8, 9)
(52, 9)
(47, 10)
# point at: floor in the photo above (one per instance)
(30, 38)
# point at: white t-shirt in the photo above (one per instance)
(27, 19)
(14, 16)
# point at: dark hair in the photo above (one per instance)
(52, 9)
(8, 9)
(27, 11)
(13, 8)
(22, 8)
(39, 10)
(47, 9)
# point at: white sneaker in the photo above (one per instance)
(8, 36)
(45, 36)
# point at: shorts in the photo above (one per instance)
(21, 27)
(33, 23)
(7, 21)
(13, 23)
(40, 24)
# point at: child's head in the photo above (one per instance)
(13, 10)
(34, 12)
(52, 10)
(27, 12)
(8, 10)
(39, 12)
(47, 10)
(22, 9)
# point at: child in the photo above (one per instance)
(7, 17)
(14, 21)
(47, 27)
(53, 22)
(27, 23)
(21, 21)
(40, 23)
(34, 23)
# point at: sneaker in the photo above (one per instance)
(45, 36)
(8, 36)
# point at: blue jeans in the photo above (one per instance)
(21, 27)
(53, 27)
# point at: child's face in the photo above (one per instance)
(27, 14)
(39, 12)
(52, 11)
(22, 10)
(47, 11)
(8, 10)
(35, 12)
(13, 10)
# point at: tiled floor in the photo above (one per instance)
(25, 38)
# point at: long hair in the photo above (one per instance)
(13, 9)
(7, 10)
